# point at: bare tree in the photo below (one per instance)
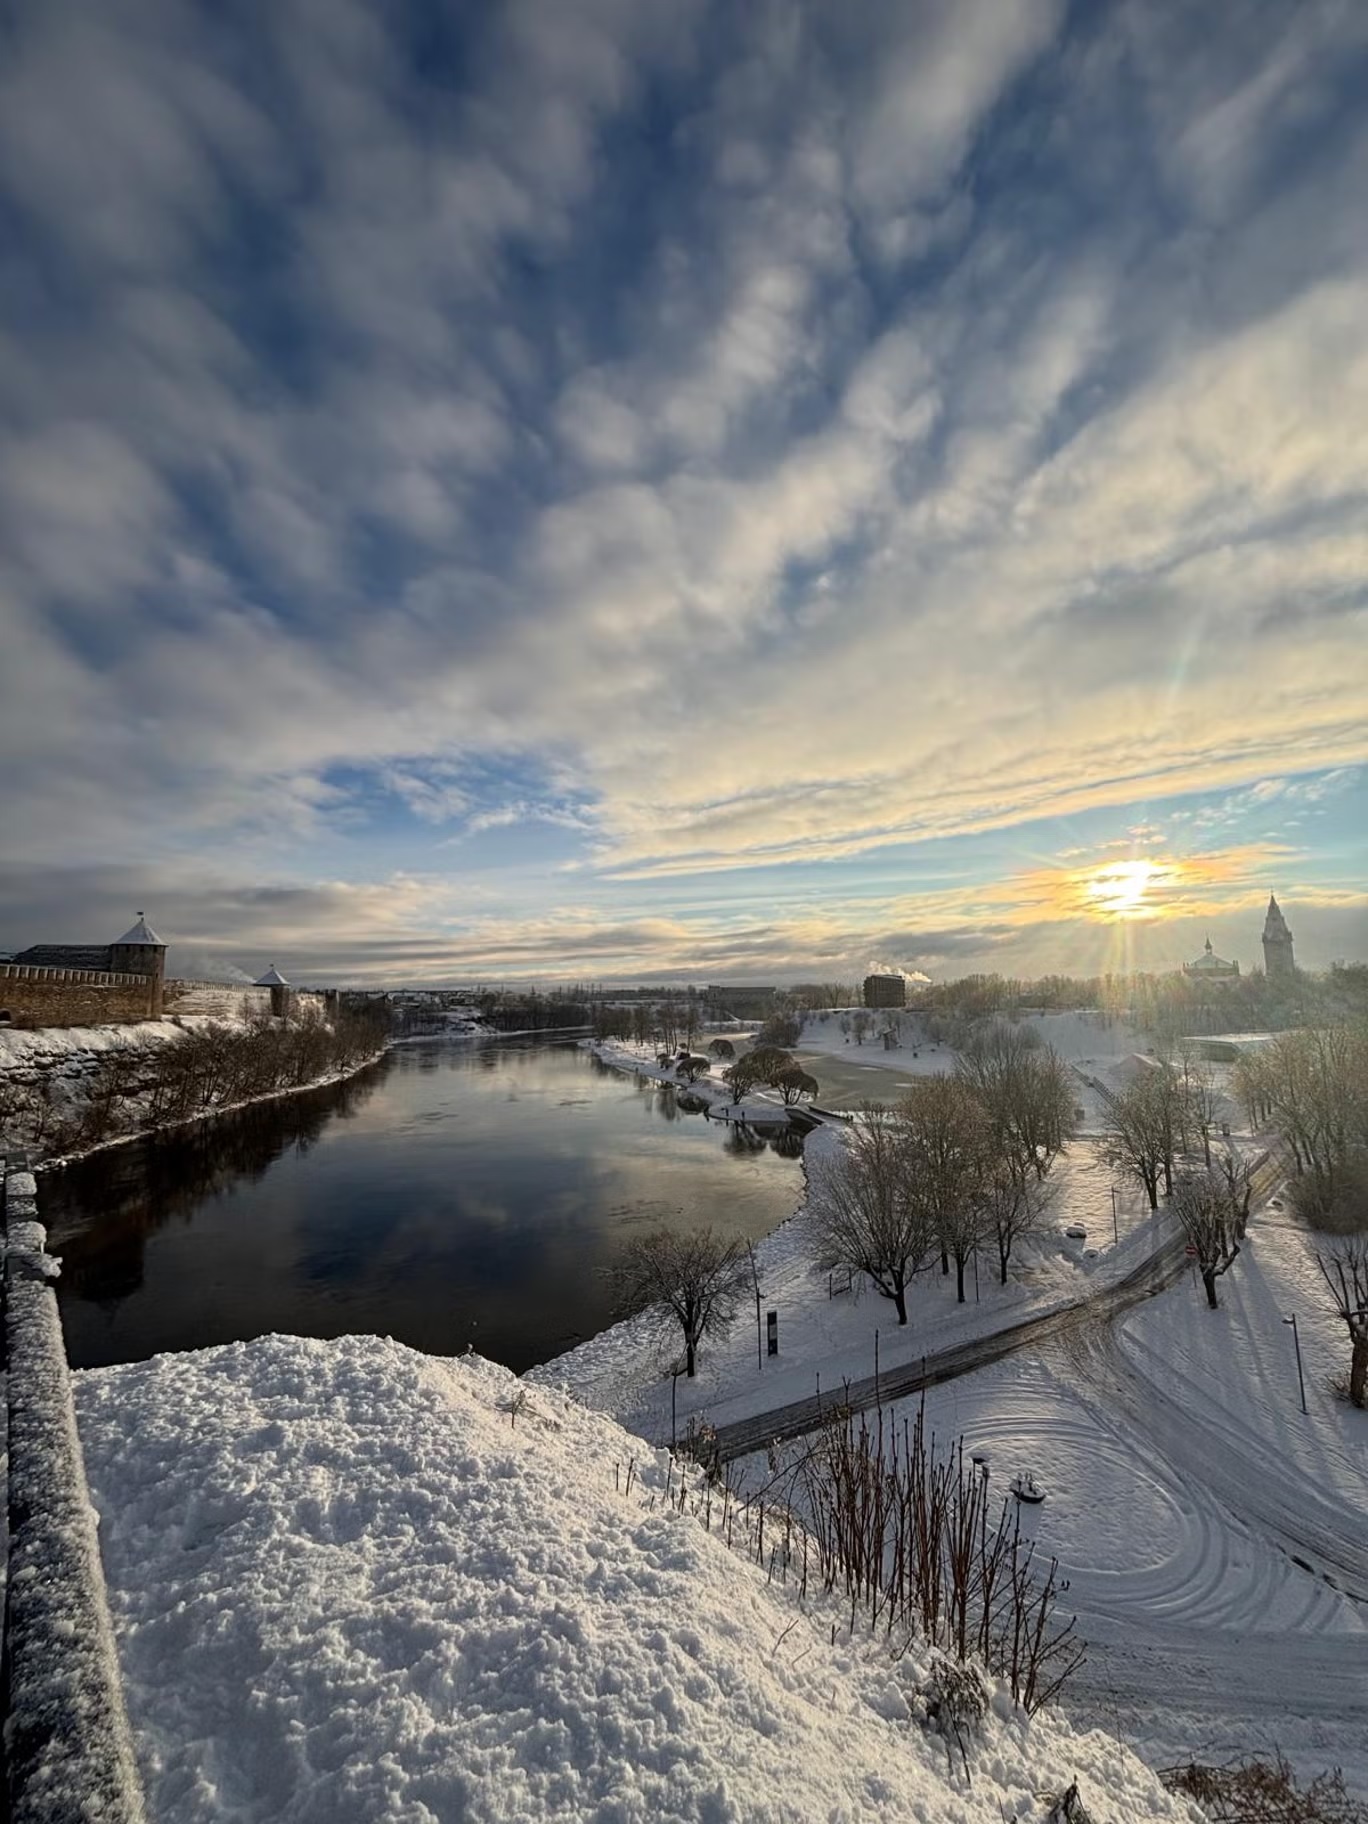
(859, 1213)
(1141, 1127)
(1208, 1209)
(1202, 1104)
(1344, 1268)
(1014, 1204)
(949, 1146)
(695, 1278)
(860, 1024)
(1026, 1088)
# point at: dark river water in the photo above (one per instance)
(458, 1192)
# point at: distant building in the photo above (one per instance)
(740, 1000)
(885, 991)
(1277, 943)
(1211, 968)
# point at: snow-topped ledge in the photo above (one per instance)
(354, 1583)
(68, 1749)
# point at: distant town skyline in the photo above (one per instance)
(657, 492)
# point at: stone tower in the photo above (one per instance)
(141, 952)
(1277, 943)
(280, 991)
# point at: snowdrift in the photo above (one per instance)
(353, 1582)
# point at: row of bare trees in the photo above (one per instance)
(208, 1067)
(1312, 1086)
(961, 1162)
(769, 1066)
(1171, 1107)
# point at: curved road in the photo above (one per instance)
(1090, 1314)
(1160, 1269)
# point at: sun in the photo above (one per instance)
(1121, 889)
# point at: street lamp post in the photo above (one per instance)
(1296, 1344)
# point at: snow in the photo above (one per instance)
(1212, 1534)
(66, 1055)
(141, 933)
(43, 1047)
(351, 1582)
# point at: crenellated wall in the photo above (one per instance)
(36, 994)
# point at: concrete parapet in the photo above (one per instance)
(67, 1745)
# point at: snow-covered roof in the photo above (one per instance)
(142, 933)
(272, 979)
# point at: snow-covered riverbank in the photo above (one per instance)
(830, 1326)
(49, 1077)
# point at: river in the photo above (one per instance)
(468, 1192)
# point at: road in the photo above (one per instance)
(1089, 1314)
(1158, 1270)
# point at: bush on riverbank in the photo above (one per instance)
(129, 1091)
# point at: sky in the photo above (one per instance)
(617, 490)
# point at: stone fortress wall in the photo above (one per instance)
(38, 994)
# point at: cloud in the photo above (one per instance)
(716, 439)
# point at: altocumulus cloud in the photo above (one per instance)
(662, 439)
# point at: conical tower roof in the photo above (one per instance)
(272, 979)
(1275, 925)
(142, 933)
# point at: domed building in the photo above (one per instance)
(1209, 967)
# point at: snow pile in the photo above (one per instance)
(352, 1582)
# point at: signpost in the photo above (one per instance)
(772, 1328)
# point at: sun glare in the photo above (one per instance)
(1121, 889)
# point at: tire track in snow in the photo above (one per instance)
(1257, 1491)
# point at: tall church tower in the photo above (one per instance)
(1277, 943)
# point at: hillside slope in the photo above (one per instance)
(352, 1582)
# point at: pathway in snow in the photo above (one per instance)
(1152, 1274)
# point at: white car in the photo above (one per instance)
(1076, 1231)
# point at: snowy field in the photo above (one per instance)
(355, 1585)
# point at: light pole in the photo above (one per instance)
(1296, 1344)
(1116, 1231)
